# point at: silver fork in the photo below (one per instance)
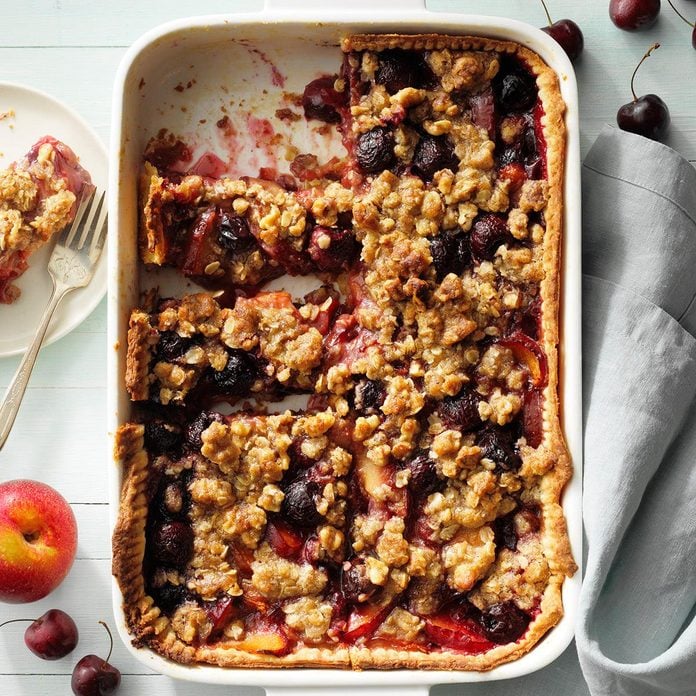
(71, 266)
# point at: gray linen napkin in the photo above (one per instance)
(636, 634)
(636, 631)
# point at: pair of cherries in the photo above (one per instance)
(647, 115)
(54, 635)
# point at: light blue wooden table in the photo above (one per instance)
(71, 48)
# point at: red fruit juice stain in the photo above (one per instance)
(209, 165)
(277, 78)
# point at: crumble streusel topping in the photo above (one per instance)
(404, 506)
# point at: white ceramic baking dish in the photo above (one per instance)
(184, 76)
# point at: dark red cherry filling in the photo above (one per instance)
(461, 412)
(514, 86)
(162, 437)
(432, 154)
(238, 375)
(354, 583)
(233, 233)
(498, 445)
(172, 500)
(399, 68)
(527, 320)
(171, 346)
(483, 111)
(169, 597)
(298, 460)
(488, 232)
(533, 417)
(451, 253)
(171, 544)
(374, 150)
(369, 396)
(333, 249)
(299, 505)
(505, 536)
(504, 622)
(423, 478)
(322, 102)
(194, 430)
(464, 627)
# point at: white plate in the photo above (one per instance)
(36, 115)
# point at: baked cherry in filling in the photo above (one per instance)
(402, 508)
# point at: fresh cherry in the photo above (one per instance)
(94, 676)
(648, 115)
(691, 24)
(567, 33)
(52, 636)
(374, 150)
(632, 15)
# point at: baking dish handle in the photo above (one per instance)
(348, 691)
(299, 6)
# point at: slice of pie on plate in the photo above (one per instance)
(38, 198)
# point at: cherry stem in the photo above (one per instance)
(633, 77)
(691, 24)
(111, 640)
(16, 621)
(546, 9)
